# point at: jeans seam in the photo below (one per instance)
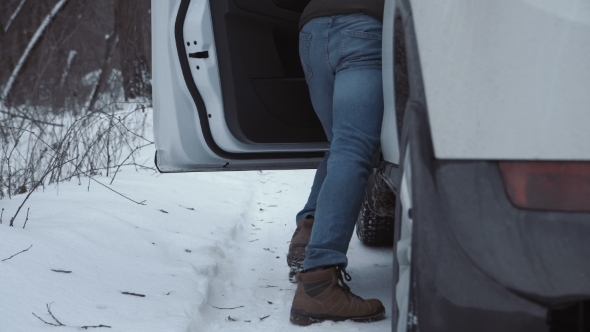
(306, 38)
(361, 34)
(376, 63)
(327, 45)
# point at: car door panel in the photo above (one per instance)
(248, 53)
(288, 10)
(229, 89)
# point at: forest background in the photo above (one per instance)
(62, 54)
(75, 89)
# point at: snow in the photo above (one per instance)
(202, 240)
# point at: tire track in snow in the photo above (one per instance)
(253, 278)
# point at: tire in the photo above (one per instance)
(375, 229)
(404, 317)
(415, 152)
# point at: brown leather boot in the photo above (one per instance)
(300, 239)
(320, 297)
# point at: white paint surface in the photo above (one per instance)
(178, 133)
(506, 79)
(389, 135)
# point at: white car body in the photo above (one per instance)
(486, 83)
(506, 79)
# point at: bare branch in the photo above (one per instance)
(130, 154)
(35, 121)
(95, 327)
(35, 187)
(227, 308)
(13, 16)
(61, 271)
(52, 316)
(133, 294)
(20, 252)
(48, 323)
(25, 224)
(58, 323)
(79, 170)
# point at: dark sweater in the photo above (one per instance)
(319, 8)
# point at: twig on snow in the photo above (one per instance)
(116, 192)
(1, 213)
(61, 271)
(41, 319)
(20, 252)
(227, 308)
(58, 323)
(52, 316)
(133, 294)
(95, 327)
(25, 224)
(265, 317)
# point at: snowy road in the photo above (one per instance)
(203, 241)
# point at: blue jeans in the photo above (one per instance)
(341, 58)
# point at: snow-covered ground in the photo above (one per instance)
(202, 243)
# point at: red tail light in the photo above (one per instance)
(557, 186)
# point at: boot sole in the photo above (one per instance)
(300, 317)
(293, 274)
(295, 260)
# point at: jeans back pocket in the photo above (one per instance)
(304, 42)
(360, 48)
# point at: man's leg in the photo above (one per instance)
(353, 53)
(318, 181)
(320, 78)
(358, 111)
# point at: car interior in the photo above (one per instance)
(263, 84)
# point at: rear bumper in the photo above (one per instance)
(482, 264)
(543, 255)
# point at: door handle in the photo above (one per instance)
(199, 55)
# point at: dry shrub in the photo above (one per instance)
(40, 148)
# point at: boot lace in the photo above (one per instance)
(343, 275)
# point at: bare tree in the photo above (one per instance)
(13, 16)
(105, 70)
(76, 58)
(129, 18)
(64, 76)
(30, 46)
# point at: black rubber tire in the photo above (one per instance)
(374, 230)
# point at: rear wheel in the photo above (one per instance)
(375, 223)
(402, 261)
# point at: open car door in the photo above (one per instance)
(229, 91)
